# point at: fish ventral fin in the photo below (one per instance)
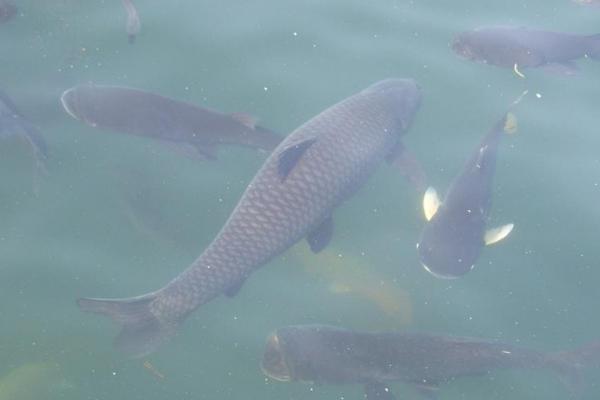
(247, 120)
(378, 391)
(510, 123)
(495, 235)
(289, 157)
(431, 203)
(235, 288)
(320, 237)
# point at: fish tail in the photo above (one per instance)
(142, 332)
(510, 123)
(594, 51)
(570, 364)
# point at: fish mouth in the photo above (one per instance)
(439, 275)
(273, 363)
(68, 101)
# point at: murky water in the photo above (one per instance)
(117, 216)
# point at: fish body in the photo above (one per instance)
(293, 195)
(12, 122)
(455, 234)
(514, 47)
(7, 10)
(332, 355)
(192, 128)
(34, 381)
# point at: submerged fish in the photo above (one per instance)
(455, 234)
(353, 275)
(12, 122)
(331, 355)
(315, 169)
(587, 2)
(133, 24)
(7, 10)
(516, 48)
(197, 131)
(34, 381)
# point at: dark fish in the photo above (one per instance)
(194, 130)
(455, 234)
(133, 24)
(293, 196)
(7, 10)
(12, 122)
(516, 48)
(331, 355)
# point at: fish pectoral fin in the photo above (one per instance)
(234, 288)
(200, 152)
(408, 165)
(247, 120)
(431, 203)
(319, 238)
(289, 157)
(378, 391)
(565, 68)
(495, 235)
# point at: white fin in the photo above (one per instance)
(247, 120)
(517, 72)
(497, 234)
(431, 203)
(510, 124)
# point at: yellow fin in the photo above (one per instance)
(497, 234)
(516, 70)
(431, 203)
(510, 125)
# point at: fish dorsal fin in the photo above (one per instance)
(495, 235)
(247, 120)
(289, 157)
(510, 123)
(319, 238)
(378, 391)
(431, 203)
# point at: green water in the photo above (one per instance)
(283, 61)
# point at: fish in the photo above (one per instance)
(14, 123)
(455, 233)
(587, 2)
(314, 169)
(194, 131)
(133, 24)
(324, 354)
(519, 47)
(32, 381)
(353, 275)
(7, 10)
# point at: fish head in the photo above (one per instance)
(448, 250)
(274, 363)
(401, 96)
(467, 46)
(76, 103)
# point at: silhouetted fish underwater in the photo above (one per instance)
(452, 239)
(515, 47)
(332, 355)
(315, 169)
(194, 130)
(7, 10)
(12, 122)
